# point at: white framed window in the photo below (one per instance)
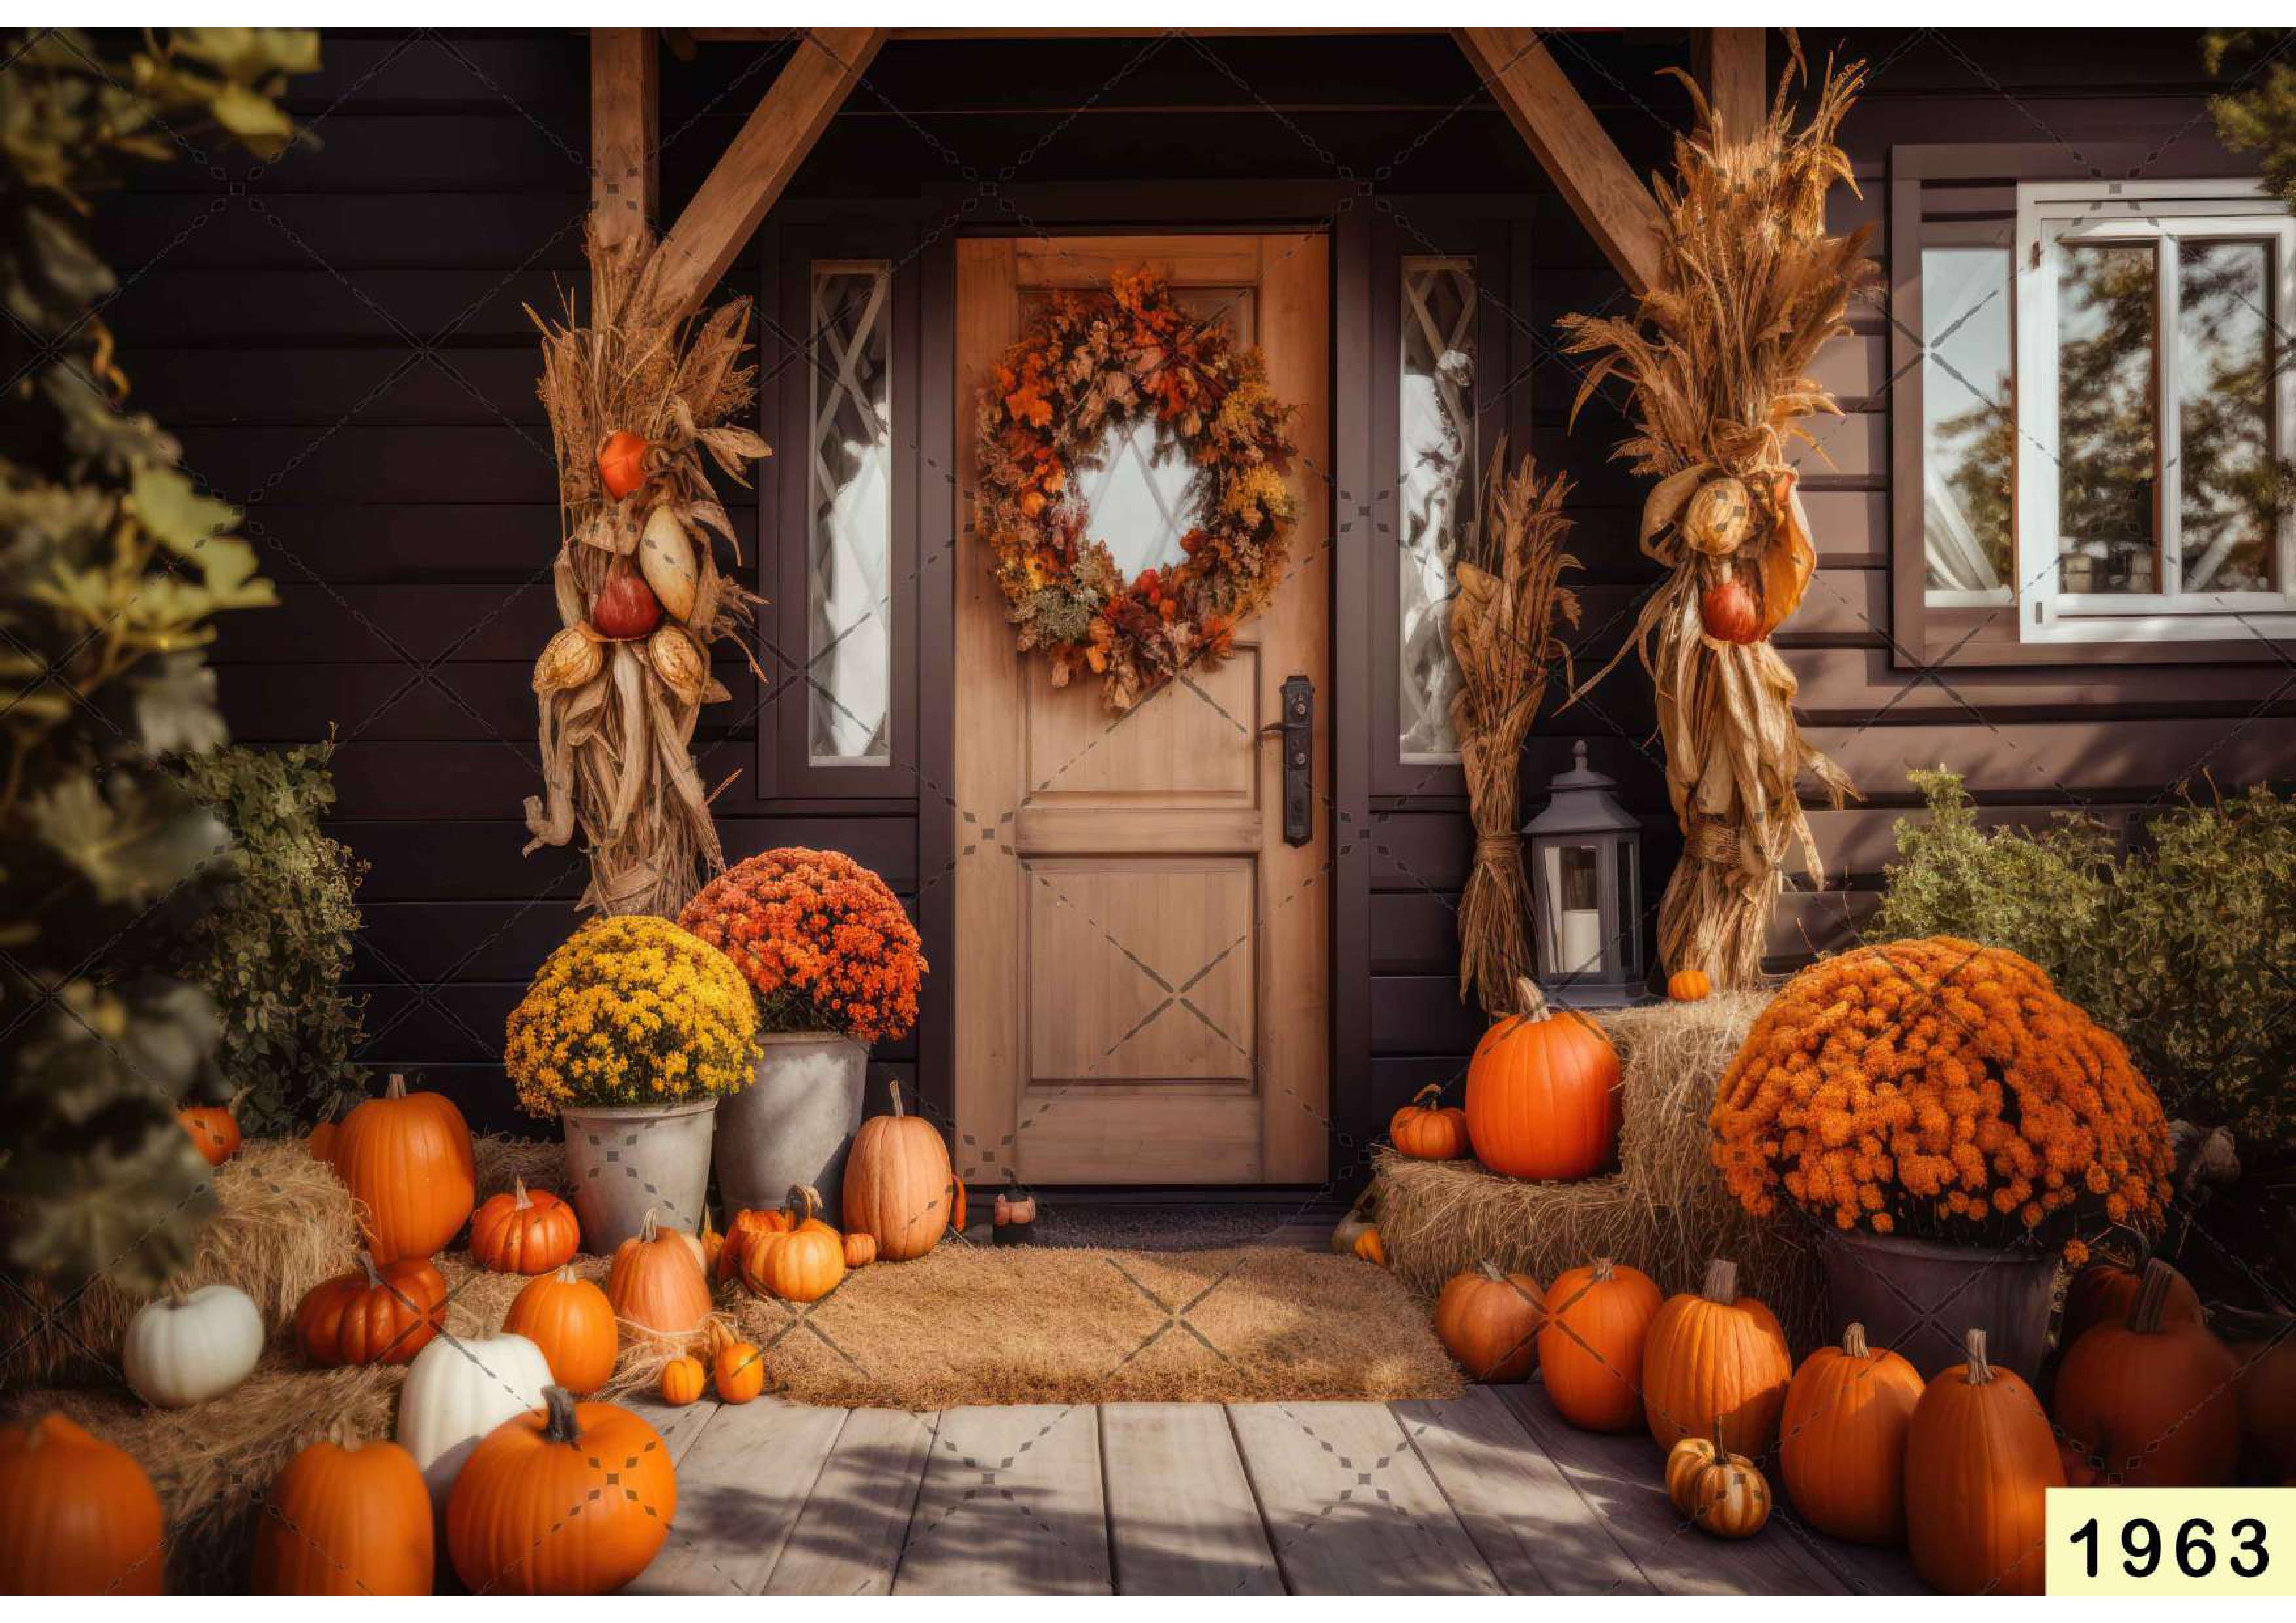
(2153, 413)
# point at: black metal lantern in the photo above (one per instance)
(1587, 890)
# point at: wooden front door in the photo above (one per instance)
(1142, 971)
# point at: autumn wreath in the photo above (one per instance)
(1096, 361)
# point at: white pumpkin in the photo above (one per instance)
(459, 1388)
(190, 1346)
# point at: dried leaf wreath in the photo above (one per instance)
(1750, 287)
(1091, 362)
(636, 398)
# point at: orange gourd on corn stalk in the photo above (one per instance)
(1590, 1345)
(374, 1315)
(2149, 1401)
(1715, 1364)
(78, 1515)
(1542, 1093)
(897, 1183)
(571, 1321)
(803, 1265)
(1979, 1461)
(621, 463)
(1689, 986)
(655, 1282)
(1488, 1320)
(2104, 1293)
(682, 1381)
(1429, 1132)
(524, 1232)
(346, 1518)
(511, 1526)
(407, 1158)
(214, 1131)
(1843, 1453)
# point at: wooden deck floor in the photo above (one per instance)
(1488, 1493)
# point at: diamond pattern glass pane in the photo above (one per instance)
(848, 557)
(1139, 504)
(1437, 453)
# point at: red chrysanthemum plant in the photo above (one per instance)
(822, 941)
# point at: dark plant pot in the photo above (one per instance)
(1917, 1298)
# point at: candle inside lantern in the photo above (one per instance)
(1582, 940)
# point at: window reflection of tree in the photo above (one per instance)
(1435, 428)
(2108, 443)
(2231, 489)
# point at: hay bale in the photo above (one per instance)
(283, 1222)
(1664, 1211)
(503, 1160)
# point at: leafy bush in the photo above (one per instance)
(2185, 945)
(273, 954)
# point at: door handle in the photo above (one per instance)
(1297, 730)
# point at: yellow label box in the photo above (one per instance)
(2172, 1541)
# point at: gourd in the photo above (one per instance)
(1369, 1246)
(189, 1346)
(1722, 1493)
(1719, 518)
(1842, 1456)
(2149, 1402)
(666, 560)
(1689, 986)
(571, 1321)
(626, 608)
(1542, 1093)
(2104, 1293)
(407, 1158)
(459, 1390)
(372, 1315)
(1979, 1461)
(214, 1130)
(860, 1250)
(347, 1517)
(739, 1369)
(748, 1226)
(803, 1265)
(508, 1526)
(683, 1380)
(1488, 1320)
(1429, 1132)
(1729, 613)
(1590, 1345)
(1716, 1362)
(524, 1233)
(621, 463)
(655, 1282)
(77, 1516)
(897, 1183)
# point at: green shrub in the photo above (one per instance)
(2185, 945)
(275, 954)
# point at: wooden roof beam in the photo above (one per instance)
(625, 188)
(1731, 68)
(1610, 200)
(758, 166)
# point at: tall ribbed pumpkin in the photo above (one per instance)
(897, 1182)
(2149, 1401)
(1543, 1092)
(346, 1518)
(1716, 1364)
(77, 1516)
(1979, 1461)
(407, 1158)
(1843, 1453)
(656, 1284)
(1590, 1348)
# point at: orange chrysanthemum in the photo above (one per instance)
(1939, 1088)
(824, 943)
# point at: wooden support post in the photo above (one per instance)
(1613, 205)
(758, 166)
(1731, 67)
(624, 188)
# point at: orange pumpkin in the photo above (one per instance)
(803, 1265)
(1543, 1092)
(2104, 1293)
(1488, 1321)
(897, 1183)
(2267, 1401)
(77, 1516)
(655, 1282)
(1722, 1493)
(621, 463)
(1843, 1451)
(713, 1244)
(860, 1250)
(407, 1158)
(348, 1518)
(683, 1379)
(321, 1144)
(373, 1315)
(1689, 986)
(1716, 1364)
(1590, 1345)
(740, 1370)
(956, 1202)
(214, 1130)
(524, 1233)
(1429, 1132)
(1979, 1461)
(571, 1321)
(1369, 1246)
(510, 1523)
(748, 1226)
(2149, 1401)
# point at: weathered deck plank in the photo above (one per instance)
(1515, 1502)
(741, 1488)
(1012, 1505)
(1181, 1516)
(1350, 1506)
(679, 1427)
(847, 1540)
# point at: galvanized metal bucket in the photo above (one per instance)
(1918, 1298)
(626, 1159)
(795, 1123)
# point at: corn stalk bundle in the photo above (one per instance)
(1718, 358)
(618, 708)
(1507, 594)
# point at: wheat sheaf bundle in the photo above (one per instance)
(618, 708)
(1507, 596)
(1718, 357)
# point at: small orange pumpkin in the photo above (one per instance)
(78, 1515)
(571, 1321)
(321, 1144)
(1689, 986)
(655, 1282)
(621, 463)
(372, 1315)
(214, 1130)
(749, 1225)
(524, 1232)
(511, 1526)
(1722, 1493)
(713, 1244)
(1543, 1092)
(860, 1250)
(1429, 1132)
(1716, 1362)
(1488, 1320)
(803, 1265)
(1842, 1456)
(346, 1518)
(683, 1379)
(1369, 1247)
(1590, 1344)
(740, 1369)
